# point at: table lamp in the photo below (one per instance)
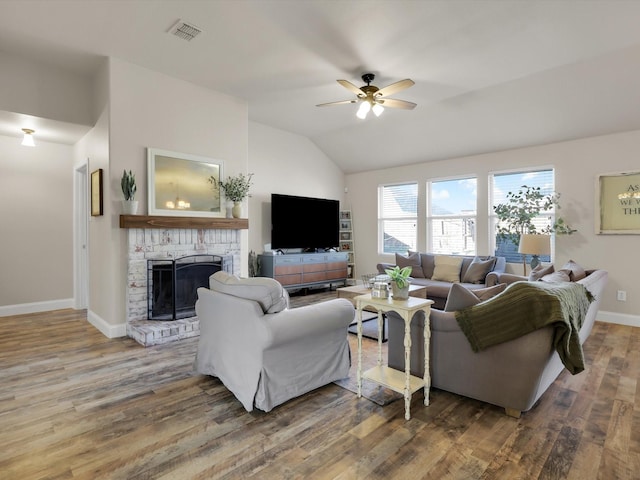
(535, 245)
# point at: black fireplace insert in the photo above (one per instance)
(173, 284)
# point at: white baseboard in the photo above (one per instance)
(36, 307)
(620, 318)
(108, 330)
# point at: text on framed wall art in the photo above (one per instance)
(619, 203)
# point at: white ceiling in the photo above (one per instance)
(490, 75)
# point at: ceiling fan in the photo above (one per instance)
(372, 98)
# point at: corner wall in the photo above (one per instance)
(150, 109)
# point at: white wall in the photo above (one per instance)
(577, 165)
(36, 192)
(288, 164)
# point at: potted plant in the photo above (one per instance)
(235, 189)
(400, 281)
(128, 184)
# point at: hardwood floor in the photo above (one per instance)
(76, 405)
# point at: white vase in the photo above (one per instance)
(237, 210)
(130, 207)
(229, 209)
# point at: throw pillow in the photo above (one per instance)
(540, 271)
(557, 277)
(447, 268)
(412, 260)
(478, 269)
(576, 272)
(489, 292)
(460, 297)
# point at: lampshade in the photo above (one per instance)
(27, 140)
(377, 109)
(533, 244)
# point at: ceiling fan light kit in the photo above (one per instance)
(371, 98)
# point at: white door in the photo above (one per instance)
(81, 228)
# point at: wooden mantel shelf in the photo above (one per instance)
(146, 221)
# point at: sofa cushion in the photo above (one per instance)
(478, 270)
(447, 268)
(412, 260)
(461, 297)
(540, 271)
(576, 272)
(267, 292)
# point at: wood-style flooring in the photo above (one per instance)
(76, 405)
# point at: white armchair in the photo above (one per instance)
(264, 353)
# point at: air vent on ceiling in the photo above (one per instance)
(184, 30)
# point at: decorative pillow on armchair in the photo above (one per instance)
(447, 268)
(576, 272)
(478, 270)
(412, 260)
(266, 291)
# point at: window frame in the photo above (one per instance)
(382, 219)
(492, 217)
(429, 218)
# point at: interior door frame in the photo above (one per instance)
(81, 236)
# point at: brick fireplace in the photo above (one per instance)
(169, 243)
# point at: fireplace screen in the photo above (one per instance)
(173, 284)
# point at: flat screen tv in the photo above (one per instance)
(304, 222)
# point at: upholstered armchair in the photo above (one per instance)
(264, 352)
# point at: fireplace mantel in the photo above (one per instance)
(155, 221)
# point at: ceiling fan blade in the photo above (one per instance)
(341, 102)
(392, 103)
(351, 87)
(395, 87)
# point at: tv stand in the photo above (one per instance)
(299, 270)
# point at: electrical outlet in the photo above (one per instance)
(622, 295)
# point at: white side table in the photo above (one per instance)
(393, 379)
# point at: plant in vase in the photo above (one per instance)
(128, 184)
(235, 189)
(400, 281)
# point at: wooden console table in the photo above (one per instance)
(388, 377)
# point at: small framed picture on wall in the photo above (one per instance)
(96, 193)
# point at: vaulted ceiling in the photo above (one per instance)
(489, 75)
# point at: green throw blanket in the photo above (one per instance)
(527, 306)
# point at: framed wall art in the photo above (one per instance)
(96, 193)
(618, 203)
(180, 184)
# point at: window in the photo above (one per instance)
(503, 183)
(451, 216)
(397, 217)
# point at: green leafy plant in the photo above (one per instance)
(236, 188)
(399, 275)
(522, 207)
(128, 184)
